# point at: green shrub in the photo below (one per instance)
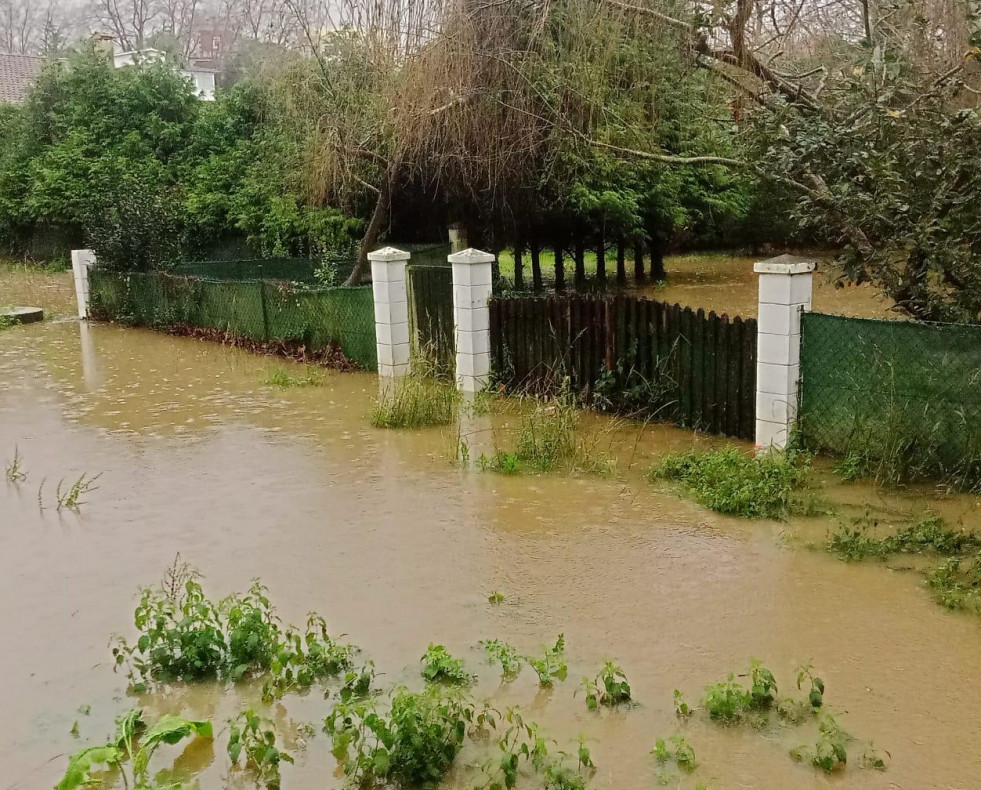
(415, 401)
(254, 737)
(413, 745)
(733, 483)
(184, 636)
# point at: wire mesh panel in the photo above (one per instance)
(262, 311)
(885, 387)
(431, 315)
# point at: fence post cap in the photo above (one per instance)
(785, 264)
(388, 254)
(471, 255)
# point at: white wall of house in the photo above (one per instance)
(202, 79)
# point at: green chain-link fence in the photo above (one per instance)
(263, 310)
(901, 399)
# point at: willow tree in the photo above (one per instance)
(512, 107)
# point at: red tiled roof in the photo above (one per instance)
(17, 74)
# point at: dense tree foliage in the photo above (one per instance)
(131, 162)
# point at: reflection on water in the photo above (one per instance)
(399, 548)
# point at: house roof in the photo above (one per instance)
(17, 75)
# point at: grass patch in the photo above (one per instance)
(730, 482)
(549, 438)
(416, 401)
(281, 377)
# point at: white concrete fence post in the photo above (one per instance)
(82, 260)
(391, 310)
(471, 317)
(785, 292)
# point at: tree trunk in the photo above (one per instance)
(656, 248)
(371, 233)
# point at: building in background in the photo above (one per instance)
(202, 77)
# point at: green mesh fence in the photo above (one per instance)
(263, 310)
(430, 290)
(901, 396)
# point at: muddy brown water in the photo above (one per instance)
(398, 548)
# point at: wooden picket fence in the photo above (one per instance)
(674, 363)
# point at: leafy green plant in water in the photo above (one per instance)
(815, 691)
(829, 752)
(496, 597)
(504, 463)
(681, 708)
(70, 498)
(441, 667)
(14, 471)
(134, 746)
(413, 745)
(180, 639)
(281, 377)
(609, 688)
(304, 659)
(255, 738)
(676, 748)
(253, 631)
(506, 655)
(956, 583)
(415, 401)
(524, 742)
(726, 701)
(763, 686)
(551, 666)
(730, 482)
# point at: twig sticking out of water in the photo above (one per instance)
(14, 471)
(71, 498)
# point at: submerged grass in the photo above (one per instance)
(731, 482)
(550, 438)
(955, 583)
(281, 377)
(416, 401)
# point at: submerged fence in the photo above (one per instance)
(632, 354)
(259, 309)
(895, 391)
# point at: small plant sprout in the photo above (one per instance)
(551, 666)
(873, 758)
(496, 597)
(14, 471)
(70, 498)
(815, 694)
(764, 685)
(502, 653)
(609, 688)
(675, 748)
(681, 708)
(255, 738)
(829, 752)
(438, 666)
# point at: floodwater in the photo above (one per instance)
(398, 548)
(728, 284)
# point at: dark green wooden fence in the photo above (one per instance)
(695, 369)
(430, 293)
